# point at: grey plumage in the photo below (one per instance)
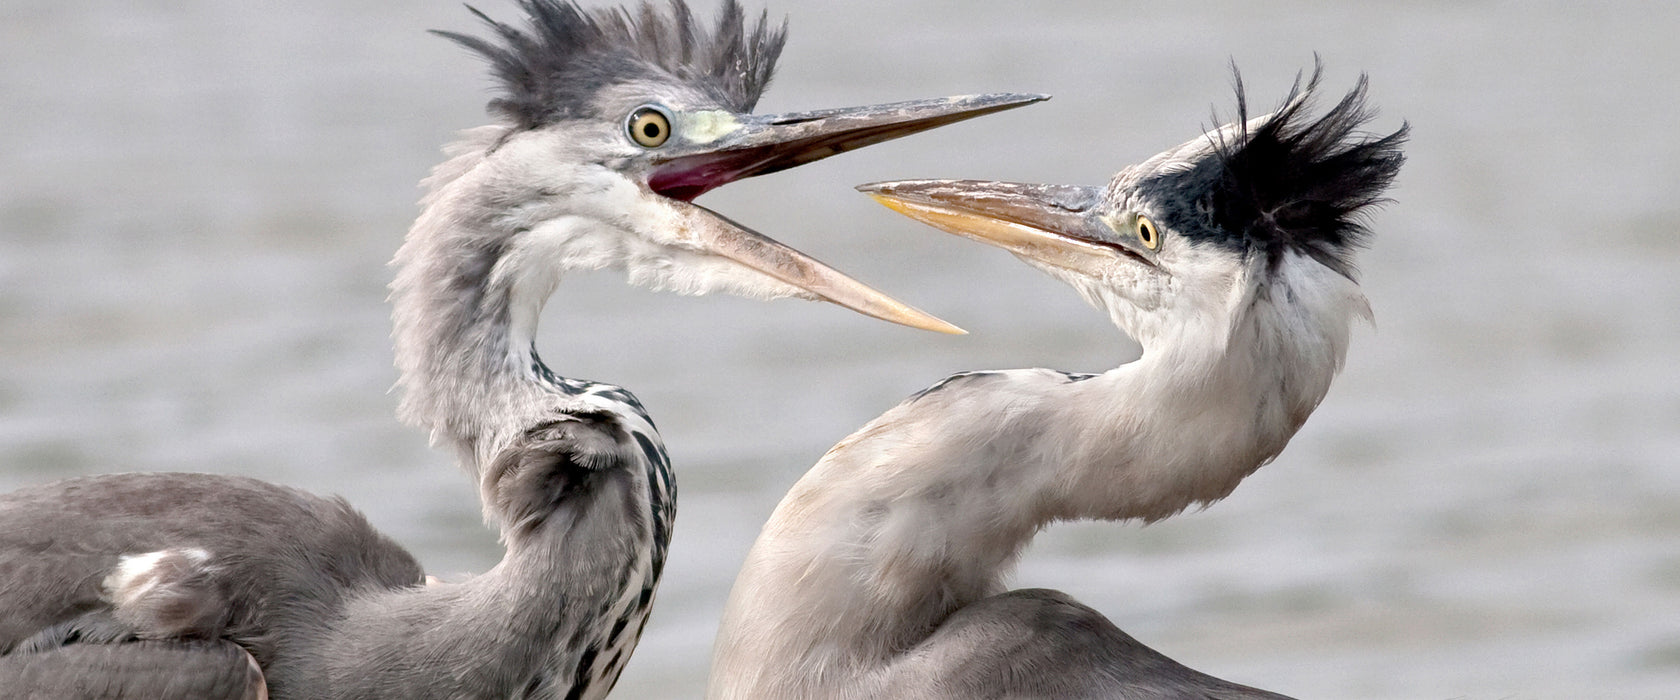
(327, 606)
(1045, 639)
(550, 70)
(283, 561)
(142, 669)
(550, 620)
(1228, 258)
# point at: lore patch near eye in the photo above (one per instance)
(649, 127)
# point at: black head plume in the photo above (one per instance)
(549, 69)
(1295, 182)
(1288, 182)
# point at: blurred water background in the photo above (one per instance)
(197, 201)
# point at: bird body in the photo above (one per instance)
(278, 560)
(327, 606)
(610, 123)
(922, 513)
(881, 573)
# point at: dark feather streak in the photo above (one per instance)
(1299, 183)
(549, 68)
(1290, 183)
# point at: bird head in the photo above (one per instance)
(1262, 212)
(614, 121)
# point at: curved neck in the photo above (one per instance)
(563, 610)
(465, 304)
(925, 509)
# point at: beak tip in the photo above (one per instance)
(922, 320)
(1010, 100)
(880, 189)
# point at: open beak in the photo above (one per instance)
(717, 235)
(1054, 224)
(710, 149)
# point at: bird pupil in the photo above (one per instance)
(650, 130)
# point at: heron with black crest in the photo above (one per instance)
(1230, 259)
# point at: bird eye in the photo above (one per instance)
(649, 127)
(1147, 233)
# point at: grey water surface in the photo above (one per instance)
(197, 201)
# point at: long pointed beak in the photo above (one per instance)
(711, 148)
(715, 148)
(1054, 224)
(717, 235)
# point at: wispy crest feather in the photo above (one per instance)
(565, 53)
(1293, 182)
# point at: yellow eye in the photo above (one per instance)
(649, 127)
(1147, 233)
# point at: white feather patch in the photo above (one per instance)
(137, 575)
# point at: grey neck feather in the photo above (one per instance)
(466, 298)
(463, 371)
(509, 631)
(925, 510)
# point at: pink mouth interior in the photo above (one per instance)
(688, 178)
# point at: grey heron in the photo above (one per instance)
(610, 122)
(1230, 260)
